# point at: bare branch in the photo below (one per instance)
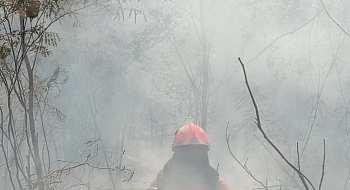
(283, 35)
(283, 168)
(258, 123)
(244, 167)
(335, 22)
(324, 160)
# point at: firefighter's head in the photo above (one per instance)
(190, 136)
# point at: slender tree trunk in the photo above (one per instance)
(153, 133)
(121, 155)
(205, 69)
(56, 151)
(133, 142)
(147, 140)
(117, 174)
(162, 133)
(97, 130)
(30, 110)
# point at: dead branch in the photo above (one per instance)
(324, 160)
(282, 167)
(298, 155)
(258, 123)
(53, 177)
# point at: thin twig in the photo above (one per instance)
(335, 22)
(324, 160)
(245, 168)
(283, 35)
(298, 155)
(272, 186)
(258, 123)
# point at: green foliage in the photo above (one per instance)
(26, 40)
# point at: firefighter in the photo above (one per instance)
(189, 168)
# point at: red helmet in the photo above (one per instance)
(190, 134)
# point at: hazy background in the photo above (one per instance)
(126, 84)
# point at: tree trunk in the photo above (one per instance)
(30, 110)
(121, 155)
(97, 130)
(205, 70)
(133, 142)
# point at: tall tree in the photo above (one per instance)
(26, 41)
